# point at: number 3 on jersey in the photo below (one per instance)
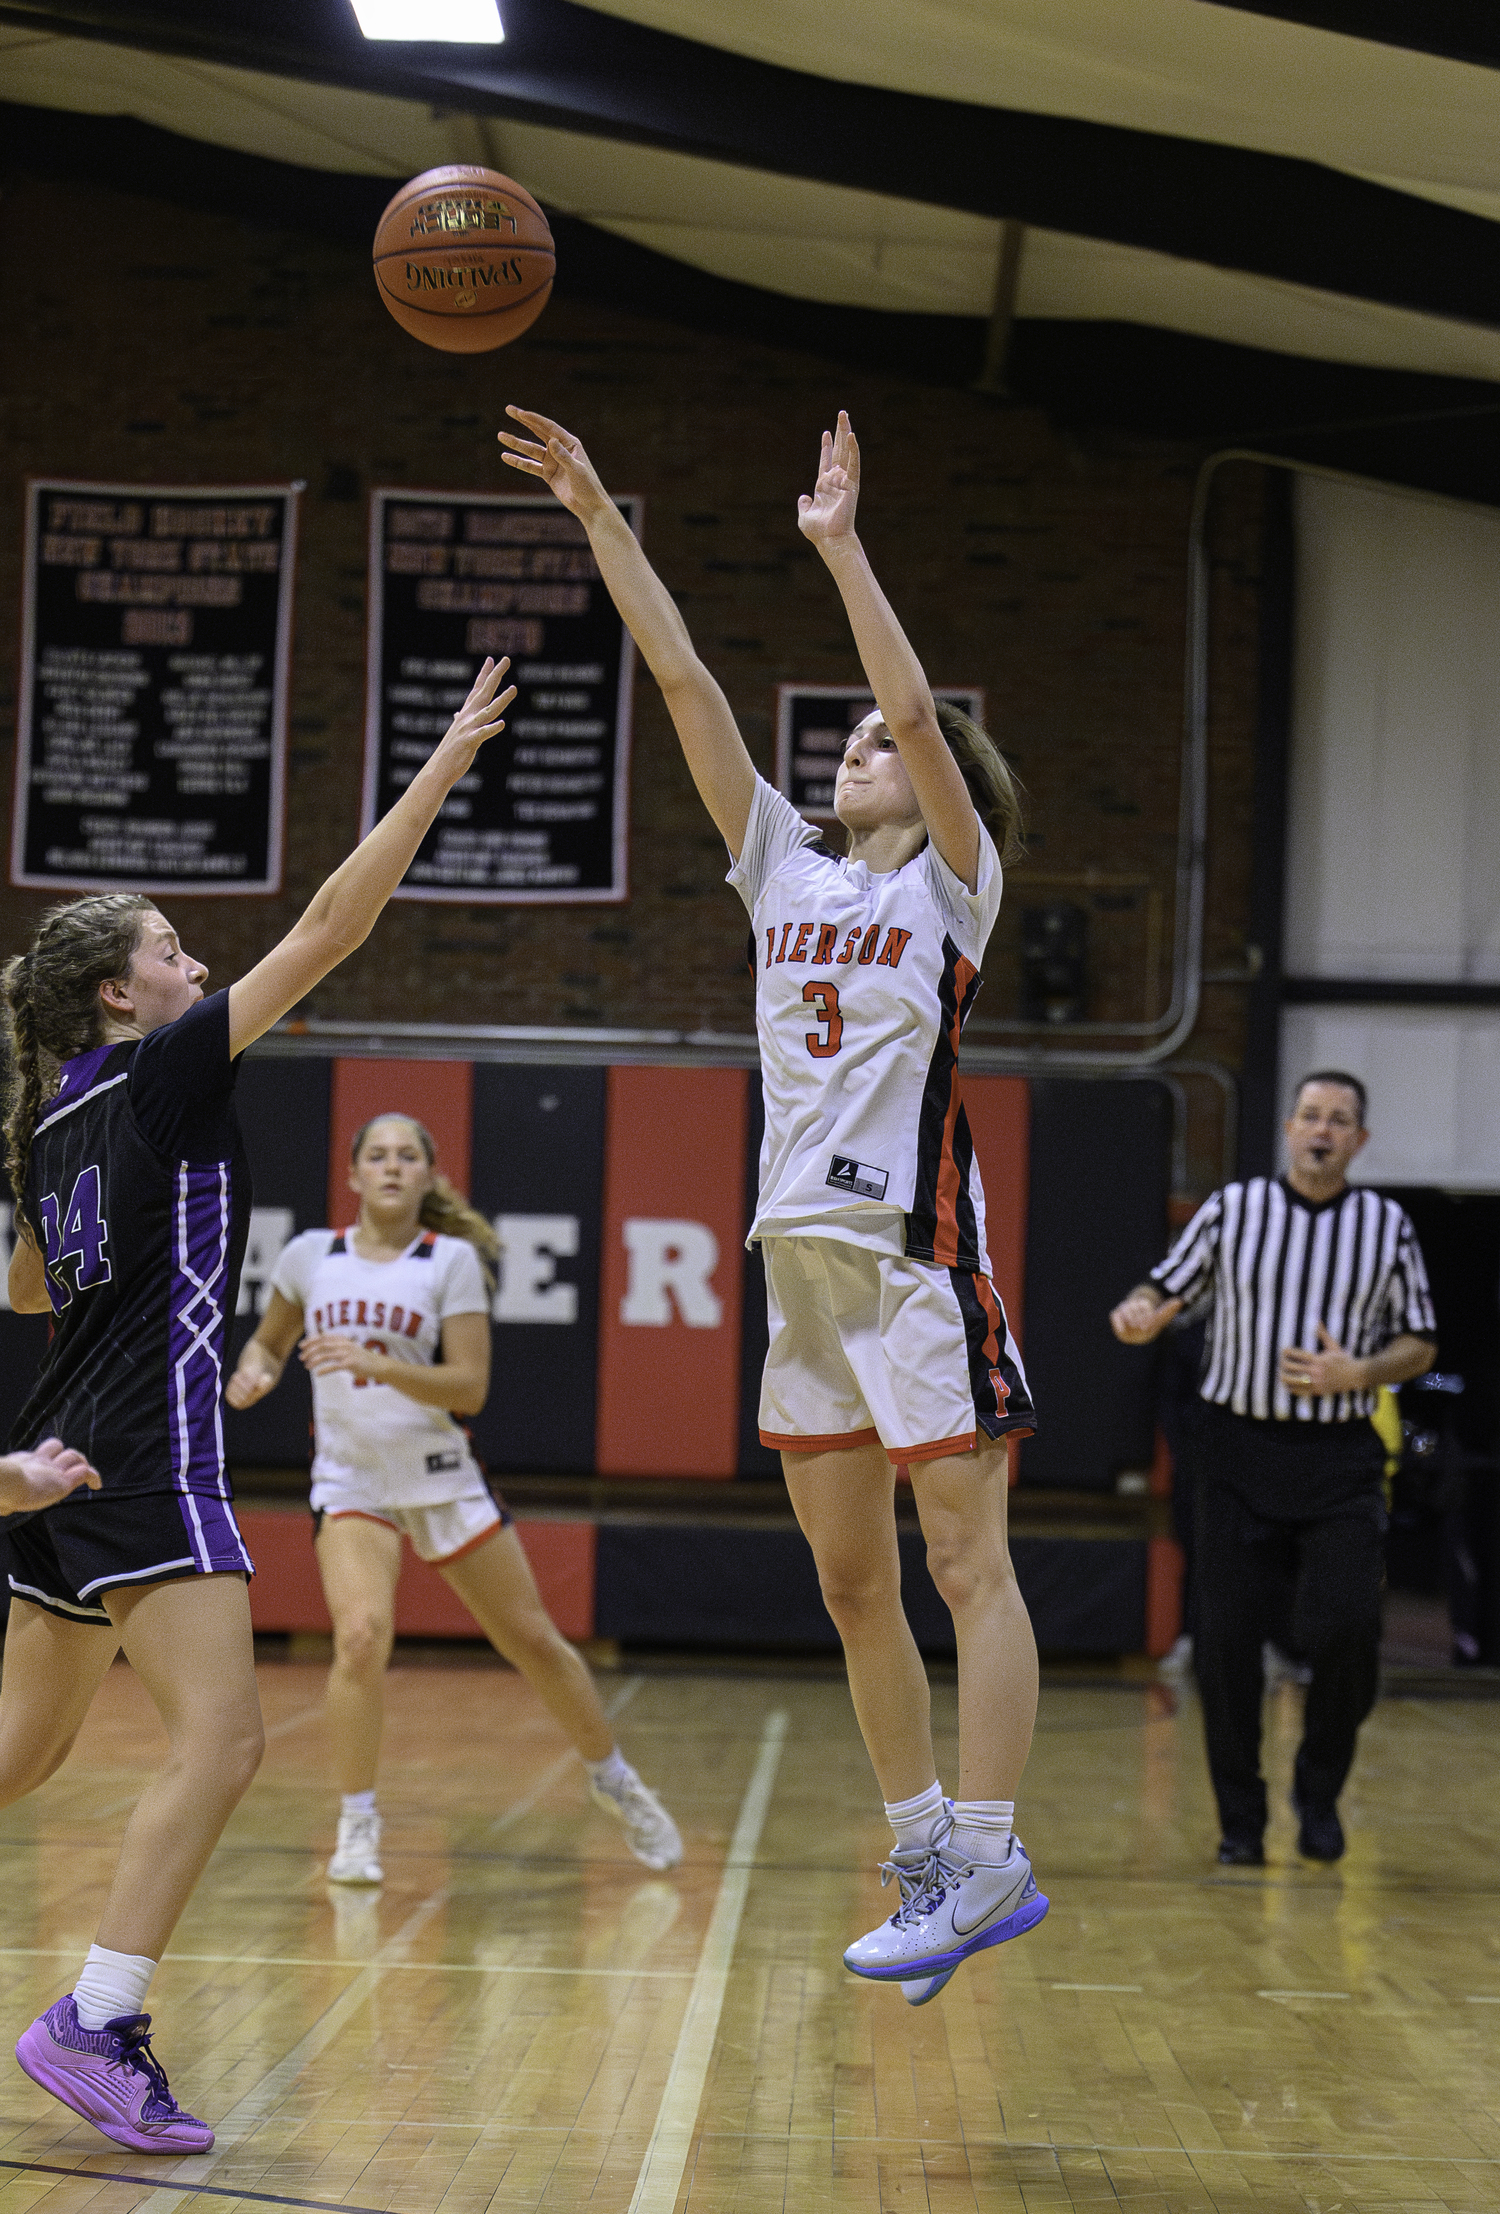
(825, 997)
(80, 1235)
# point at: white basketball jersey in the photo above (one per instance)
(373, 1444)
(863, 984)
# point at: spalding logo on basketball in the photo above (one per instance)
(464, 259)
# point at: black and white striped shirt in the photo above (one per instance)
(1276, 1265)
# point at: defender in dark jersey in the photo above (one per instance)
(133, 1201)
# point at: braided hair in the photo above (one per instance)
(51, 1007)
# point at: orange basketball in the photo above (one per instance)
(464, 259)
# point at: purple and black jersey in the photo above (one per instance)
(139, 1189)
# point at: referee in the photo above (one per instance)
(1319, 1297)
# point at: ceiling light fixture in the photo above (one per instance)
(455, 22)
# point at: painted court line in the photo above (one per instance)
(273, 2087)
(211, 2190)
(1304, 1994)
(1098, 1987)
(660, 2178)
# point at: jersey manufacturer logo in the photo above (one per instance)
(443, 1464)
(857, 1177)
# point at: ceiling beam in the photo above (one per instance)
(573, 68)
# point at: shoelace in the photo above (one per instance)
(914, 1883)
(134, 2034)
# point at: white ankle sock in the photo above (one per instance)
(358, 1802)
(914, 1820)
(982, 1829)
(111, 1985)
(612, 1773)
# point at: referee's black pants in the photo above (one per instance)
(1283, 1513)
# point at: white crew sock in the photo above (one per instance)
(111, 1986)
(914, 1820)
(357, 1802)
(982, 1829)
(612, 1773)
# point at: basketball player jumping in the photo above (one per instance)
(397, 1319)
(888, 1342)
(133, 1201)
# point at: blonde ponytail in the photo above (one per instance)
(449, 1213)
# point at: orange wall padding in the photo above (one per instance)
(669, 1391)
(285, 1593)
(999, 1111)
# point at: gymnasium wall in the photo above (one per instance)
(629, 1318)
(1040, 557)
(1393, 875)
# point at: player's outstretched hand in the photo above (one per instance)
(1140, 1318)
(43, 1476)
(255, 1374)
(326, 1354)
(826, 514)
(558, 458)
(480, 717)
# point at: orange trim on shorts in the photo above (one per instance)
(359, 1514)
(817, 1445)
(898, 1454)
(445, 1560)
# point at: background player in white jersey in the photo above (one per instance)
(888, 1342)
(132, 1205)
(396, 1316)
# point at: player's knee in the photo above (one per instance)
(853, 1592)
(23, 1768)
(362, 1642)
(964, 1573)
(245, 1751)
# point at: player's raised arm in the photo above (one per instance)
(826, 516)
(715, 752)
(343, 913)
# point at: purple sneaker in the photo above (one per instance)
(112, 2078)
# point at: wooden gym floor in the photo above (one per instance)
(525, 2019)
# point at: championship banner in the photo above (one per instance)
(813, 722)
(456, 576)
(155, 642)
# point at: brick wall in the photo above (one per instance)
(1047, 565)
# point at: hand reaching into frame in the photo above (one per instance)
(558, 458)
(826, 514)
(43, 1476)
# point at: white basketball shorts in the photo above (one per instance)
(869, 1346)
(438, 1534)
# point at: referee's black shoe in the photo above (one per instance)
(1241, 1852)
(1320, 1833)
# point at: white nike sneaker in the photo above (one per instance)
(963, 1907)
(650, 1832)
(356, 1857)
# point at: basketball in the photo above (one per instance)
(464, 259)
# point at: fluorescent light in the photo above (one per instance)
(456, 22)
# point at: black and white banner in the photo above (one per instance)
(813, 722)
(155, 640)
(456, 576)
